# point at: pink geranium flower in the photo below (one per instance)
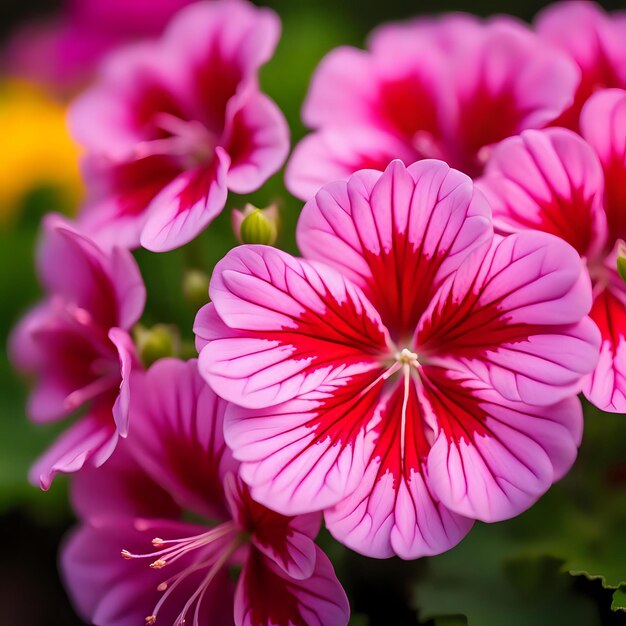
(410, 374)
(171, 126)
(595, 39)
(553, 180)
(76, 343)
(175, 569)
(63, 53)
(445, 88)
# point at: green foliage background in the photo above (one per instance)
(547, 567)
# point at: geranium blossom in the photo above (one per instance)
(76, 342)
(173, 125)
(554, 181)
(174, 569)
(596, 40)
(410, 374)
(445, 88)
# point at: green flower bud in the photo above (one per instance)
(253, 225)
(158, 342)
(621, 261)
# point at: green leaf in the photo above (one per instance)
(619, 600)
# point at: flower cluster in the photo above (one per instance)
(417, 368)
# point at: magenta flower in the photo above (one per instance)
(76, 343)
(447, 89)
(410, 374)
(595, 40)
(554, 181)
(64, 53)
(173, 125)
(175, 570)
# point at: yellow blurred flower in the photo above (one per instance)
(36, 150)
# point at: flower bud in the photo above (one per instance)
(254, 225)
(621, 261)
(157, 342)
(196, 288)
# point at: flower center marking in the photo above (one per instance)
(218, 544)
(407, 359)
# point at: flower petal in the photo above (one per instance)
(548, 180)
(91, 439)
(177, 435)
(266, 596)
(308, 453)
(388, 232)
(514, 314)
(603, 125)
(257, 140)
(393, 511)
(294, 325)
(493, 458)
(184, 208)
(128, 359)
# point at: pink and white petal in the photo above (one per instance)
(92, 439)
(416, 224)
(177, 435)
(288, 541)
(515, 314)
(393, 511)
(493, 458)
(603, 125)
(606, 386)
(295, 324)
(184, 208)
(266, 596)
(257, 141)
(548, 180)
(336, 153)
(308, 453)
(128, 360)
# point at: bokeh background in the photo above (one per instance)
(560, 563)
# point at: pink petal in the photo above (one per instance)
(287, 541)
(493, 458)
(416, 224)
(328, 155)
(91, 439)
(120, 491)
(265, 596)
(257, 140)
(184, 208)
(72, 267)
(514, 314)
(392, 511)
(548, 180)
(294, 325)
(603, 125)
(176, 435)
(594, 39)
(505, 82)
(606, 386)
(309, 453)
(128, 359)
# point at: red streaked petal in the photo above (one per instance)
(515, 314)
(494, 458)
(308, 453)
(293, 324)
(265, 596)
(393, 511)
(548, 180)
(392, 231)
